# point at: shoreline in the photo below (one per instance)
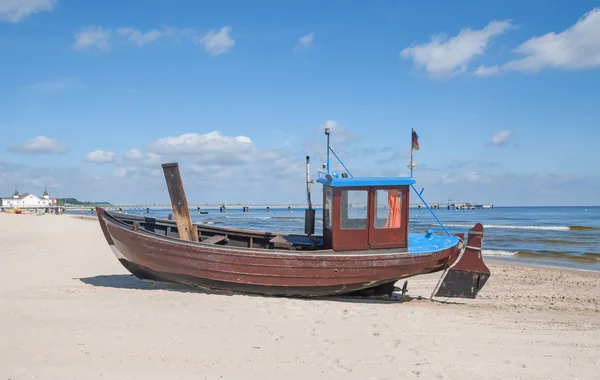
(527, 264)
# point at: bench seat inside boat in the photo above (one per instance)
(295, 242)
(216, 239)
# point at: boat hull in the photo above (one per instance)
(262, 271)
(224, 286)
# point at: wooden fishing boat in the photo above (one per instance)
(365, 247)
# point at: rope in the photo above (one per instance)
(460, 255)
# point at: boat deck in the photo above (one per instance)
(422, 244)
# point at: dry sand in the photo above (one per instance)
(69, 310)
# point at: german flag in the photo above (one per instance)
(415, 140)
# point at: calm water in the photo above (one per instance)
(557, 236)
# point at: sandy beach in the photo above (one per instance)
(71, 311)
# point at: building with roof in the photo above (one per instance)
(28, 200)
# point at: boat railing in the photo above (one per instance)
(322, 175)
(454, 230)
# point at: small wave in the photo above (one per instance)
(287, 218)
(249, 217)
(588, 257)
(583, 228)
(592, 255)
(494, 252)
(553, 242)
(499, 226)
(539, 228)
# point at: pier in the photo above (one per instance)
(244, 207)
(456, 206)
(222, 207)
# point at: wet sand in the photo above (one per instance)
(71, 311)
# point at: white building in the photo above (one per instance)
(28, 200)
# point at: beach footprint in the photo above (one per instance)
(340, 365)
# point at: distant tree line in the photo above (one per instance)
(73, 201)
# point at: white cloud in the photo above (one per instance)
(443, 57)
(101, 38)
(453, 177)
(306, 40)
(210, 147)
(133, 154)
(474, 177)
(34, 179)
(216, 43)
(577, 47)
(212, 172)
(399, 155)
(485, 71)
(211, 155)
(42, 182)
(125, 172)
(501, 138)
(100, 157)
(146, 159)
(152, 157)
(140, 173)
(93, 37)
(209, 158)
(338, 133)
(138, 37)
(17, 10)
(39, 144)
(120, 172)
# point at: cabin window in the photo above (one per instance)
(328, 206)
(354, 209)
(388, 209)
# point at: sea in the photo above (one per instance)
(548, 236)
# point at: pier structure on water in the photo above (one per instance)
(248, 207)
(457, 206)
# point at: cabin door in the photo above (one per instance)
(388, 219)
(350, 219)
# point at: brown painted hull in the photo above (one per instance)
(262, 271)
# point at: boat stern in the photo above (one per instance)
(465, 277)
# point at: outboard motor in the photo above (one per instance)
(309, 221)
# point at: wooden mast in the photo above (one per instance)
(187, 231)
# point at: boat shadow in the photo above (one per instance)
(128, 281)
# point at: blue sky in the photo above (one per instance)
(95, 95)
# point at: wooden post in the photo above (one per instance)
(187, 231)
